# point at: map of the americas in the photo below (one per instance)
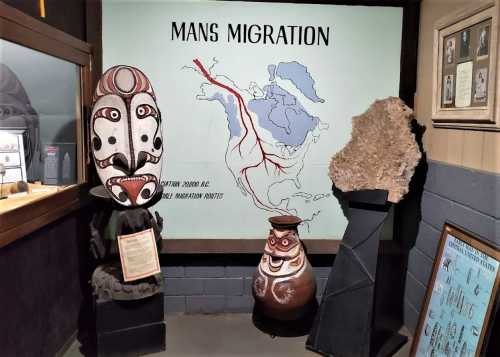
(270, 134)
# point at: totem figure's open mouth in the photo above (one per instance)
(129, 187)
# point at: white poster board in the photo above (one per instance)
(255, 99)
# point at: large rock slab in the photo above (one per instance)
(382, 153)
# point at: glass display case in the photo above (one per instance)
(44, 95)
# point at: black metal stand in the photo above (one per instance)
(344, 325)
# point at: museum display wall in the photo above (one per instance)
(462, 182)
(195, 148)
(208, 179)
(46, 272)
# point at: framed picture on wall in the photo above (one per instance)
(465, 77)
(460, 298)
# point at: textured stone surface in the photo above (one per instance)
(382, 153)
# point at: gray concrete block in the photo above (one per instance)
(420, 266)
(204, 272)
(436, 210)
(223, 286)
(173, 271)
(214, 286)
(322, 272)
(239, 304)
(410, 316)
(175, 304)
(239, 271)
(183, 286)
(497, 233)
(247, 286)
(472, 188)
(414, 291)
(428, 239)
(205, 304)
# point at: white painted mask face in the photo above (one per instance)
(126, 136)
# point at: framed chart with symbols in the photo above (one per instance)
(460, 298)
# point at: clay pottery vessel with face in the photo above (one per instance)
(284, 284)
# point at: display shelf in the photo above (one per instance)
(22, 220)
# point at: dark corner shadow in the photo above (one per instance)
(407, 217)
(86, 335)
(408, 211)
(286, 328)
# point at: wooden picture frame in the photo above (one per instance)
(465, 68)
(460, 297)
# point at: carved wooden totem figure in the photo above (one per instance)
(126, 136)
(284, 284)
(127, 146)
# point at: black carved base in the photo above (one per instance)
(344, 324)
(130, 327)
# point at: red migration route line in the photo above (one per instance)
(242, 107)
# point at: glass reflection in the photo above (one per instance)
(16, 112)
(39, 95)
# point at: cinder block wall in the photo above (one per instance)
(467, 197)
(215, 284)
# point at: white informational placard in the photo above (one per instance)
(255, 99)
(464, 85)
(138, 255)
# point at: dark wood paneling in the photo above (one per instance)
(43, 282)
(256, 246)
(23, 220)
(29, 7)
(65, 15)
(409, 53)
(237, 246)
(94, 37)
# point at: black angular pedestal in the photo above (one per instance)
(344, 325)
(130, 327)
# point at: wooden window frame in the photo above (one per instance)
(22, 29)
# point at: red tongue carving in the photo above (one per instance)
(132, 188)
